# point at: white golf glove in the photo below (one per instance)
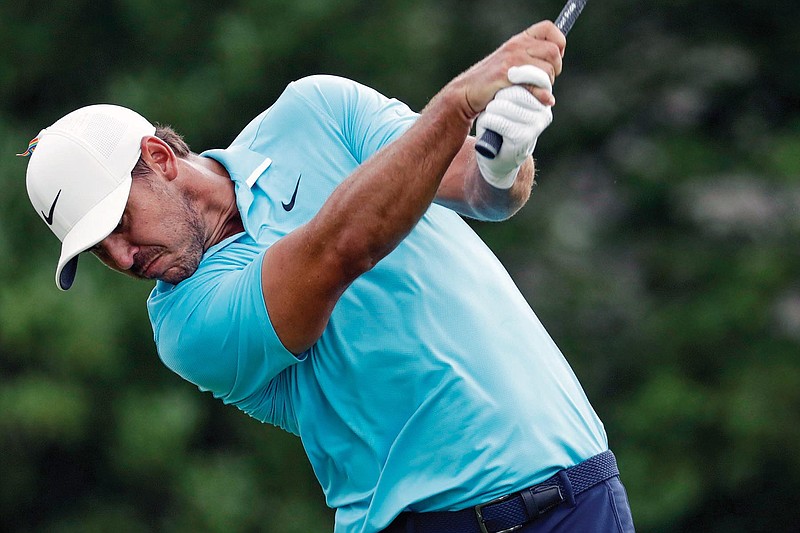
(520, 118)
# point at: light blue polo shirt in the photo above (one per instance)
(434, 386)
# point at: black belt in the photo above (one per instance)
(509, 513)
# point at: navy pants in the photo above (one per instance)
(602, 508)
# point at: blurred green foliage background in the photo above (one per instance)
(660, 249)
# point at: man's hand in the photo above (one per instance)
(541, 45)
(520, 119)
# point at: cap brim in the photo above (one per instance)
(67, 276)
(95, 226)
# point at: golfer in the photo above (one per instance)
(318, 275)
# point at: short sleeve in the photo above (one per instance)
(213, 330)
(367, 119)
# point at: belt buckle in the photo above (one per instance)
(479, 514)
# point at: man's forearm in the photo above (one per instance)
(492, 204)
(467, 192)
(379, 204)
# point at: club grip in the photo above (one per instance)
(489, 144)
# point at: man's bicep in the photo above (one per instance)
(301, 286)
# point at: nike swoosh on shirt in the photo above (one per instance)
(49, 217)
(289, 206)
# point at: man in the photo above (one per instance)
(317, 275)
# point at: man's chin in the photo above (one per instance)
(175, 275)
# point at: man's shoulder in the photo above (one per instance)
(325, 83)
(300, 101)
(328, 92)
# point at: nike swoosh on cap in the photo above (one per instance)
(49, 217)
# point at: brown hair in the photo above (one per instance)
(173, 139)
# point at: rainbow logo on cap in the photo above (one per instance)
(31, 147)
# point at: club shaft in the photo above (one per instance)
(566, 19)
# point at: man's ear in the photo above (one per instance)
(159, 157)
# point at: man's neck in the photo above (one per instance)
(217, 199)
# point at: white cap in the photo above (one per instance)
(79, 177)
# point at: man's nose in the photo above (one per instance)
(119, 251)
